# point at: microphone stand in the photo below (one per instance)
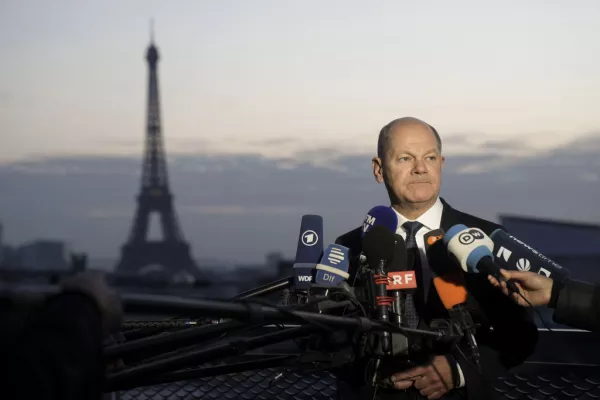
(269, 288)
(461, 314)
(382, 301)
(196, 357)
(173, 340)
(240, 310)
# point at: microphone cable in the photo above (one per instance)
(518, 292)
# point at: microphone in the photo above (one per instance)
(451, 288)
(472, 249)
(433, 237)
(330, 278)
(380, 216)
(453, 294)
(333, 268)
(377, 216)
(332, 273)
(378, 245)
(513, 254)
(399, 279)
(308, 251)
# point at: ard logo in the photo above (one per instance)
(310, 238)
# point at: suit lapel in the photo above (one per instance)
(449, 216)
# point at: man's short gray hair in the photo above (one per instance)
(385, 134)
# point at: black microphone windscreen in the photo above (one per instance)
(513, 254)
(437, 254)
(378, 244)
(400, 260)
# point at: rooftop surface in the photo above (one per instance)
(566, 365)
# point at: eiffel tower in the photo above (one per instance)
(169, 258)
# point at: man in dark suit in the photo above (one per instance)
(409, 162)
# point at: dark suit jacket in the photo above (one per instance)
(578, 305)
(514, 335)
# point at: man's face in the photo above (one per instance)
(412, 166)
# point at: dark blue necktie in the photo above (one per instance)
(410, 309)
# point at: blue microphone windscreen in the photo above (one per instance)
(310, 242)
(308, 251)
(475, 256)
(333, 268)
(380, 216)
(452, 232)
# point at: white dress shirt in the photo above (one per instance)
(431, 220)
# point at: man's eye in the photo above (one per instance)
(432, 158)
(403, 158)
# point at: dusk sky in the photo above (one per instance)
(506, 83)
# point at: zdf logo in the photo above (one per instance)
(470, 236)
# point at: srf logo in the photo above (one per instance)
(399, 280)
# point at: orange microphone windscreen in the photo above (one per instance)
(451, 289)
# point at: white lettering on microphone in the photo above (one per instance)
(402, 280)
(505, 253)
(544, 271)
(537, 253)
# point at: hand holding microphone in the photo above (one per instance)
(535, 289)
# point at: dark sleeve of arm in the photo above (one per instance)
(59, 354)
(578, 305)
(513, 337)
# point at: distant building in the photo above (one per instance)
(272, 262)
(43, 255)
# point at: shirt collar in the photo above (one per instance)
(431, 219)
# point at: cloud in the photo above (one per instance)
(75, 165)
(108, 213)
(239, 207)
(586, 143)
(285, 141)
(502, 145)
(189, 210)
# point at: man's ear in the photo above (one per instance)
(377, 169)
(443, 161)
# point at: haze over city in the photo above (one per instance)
(271, 110)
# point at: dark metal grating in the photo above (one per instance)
(556, 383)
